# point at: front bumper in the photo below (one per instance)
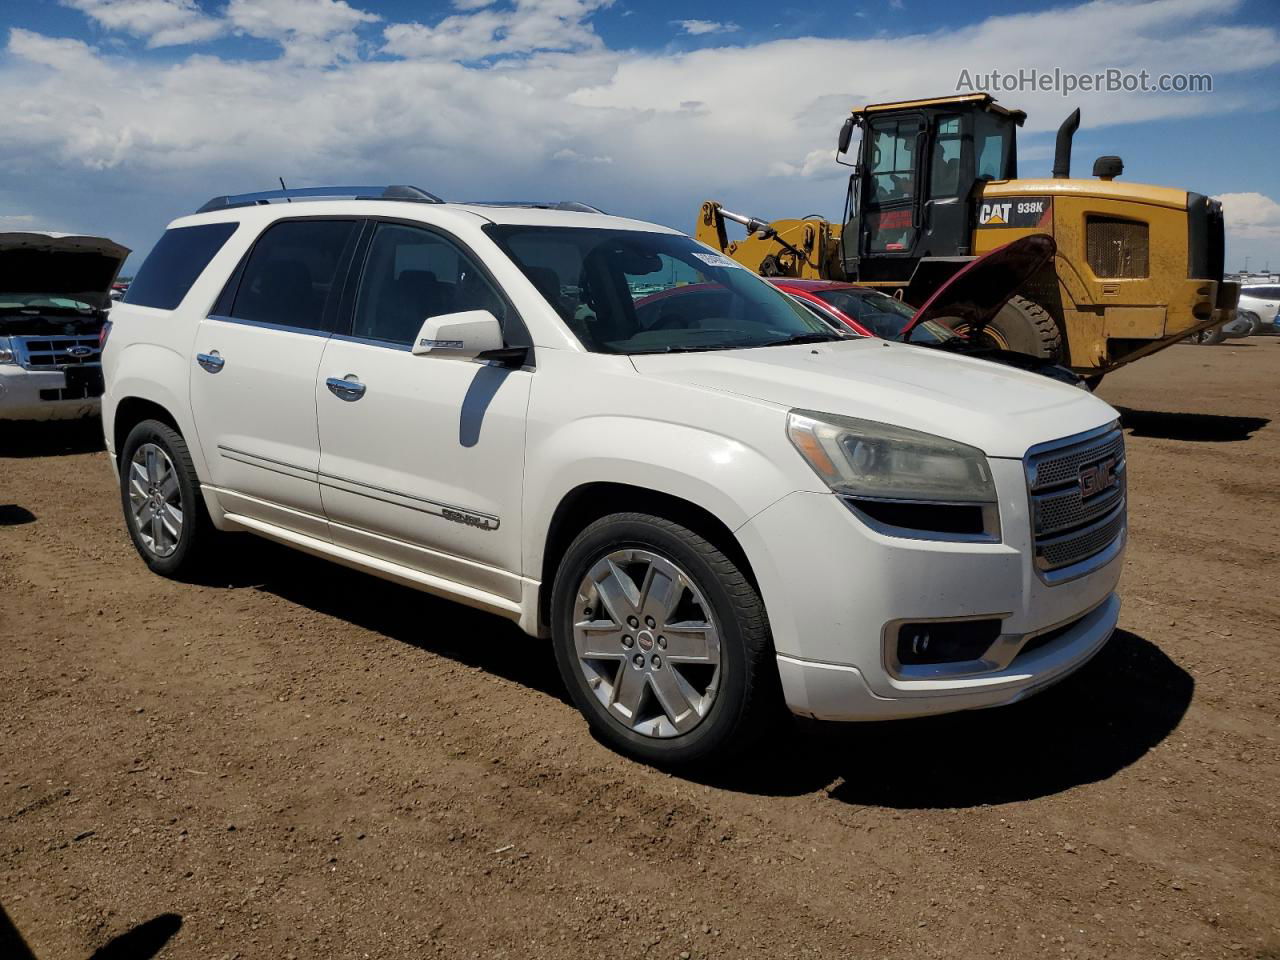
(834, 588)
(20, 396)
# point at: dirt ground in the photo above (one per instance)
(294, 760)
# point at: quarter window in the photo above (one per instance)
(175, 262)
(411, 275)
(291, 278)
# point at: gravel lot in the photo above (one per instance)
(294, 760)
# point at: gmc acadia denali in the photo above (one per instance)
(710, 509)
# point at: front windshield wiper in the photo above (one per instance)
(672, 349)
(799, 338)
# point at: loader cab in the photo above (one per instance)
(920, 166)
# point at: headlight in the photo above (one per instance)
(900, 478)
(6, 351)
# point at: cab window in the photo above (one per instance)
(945, 180)
(893, 159)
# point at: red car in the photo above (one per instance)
(862, 309)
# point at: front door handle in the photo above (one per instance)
(348, 388)
(211, 361)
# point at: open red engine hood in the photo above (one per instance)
(981, 287)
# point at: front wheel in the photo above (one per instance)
(662, 641)
(1022, 326)
(160, 493)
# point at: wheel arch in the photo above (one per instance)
(149, 381)
(131, 411)
(590, 501)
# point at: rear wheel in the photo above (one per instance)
(1255, 323)
(1023, 326)
(662, 641)
(160, 493)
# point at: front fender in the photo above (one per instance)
(724, 476)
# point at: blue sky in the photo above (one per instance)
(122, 114)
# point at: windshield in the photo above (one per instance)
(883, 315)
(629, 291)
(42, 301)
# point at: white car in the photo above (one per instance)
(1259, 304)
(729, 508)
(53, 303)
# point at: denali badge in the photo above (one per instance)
(470, 519)
(1097, 478)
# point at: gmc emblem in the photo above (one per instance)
(1096, 478)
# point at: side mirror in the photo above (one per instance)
(459, 336)
(846, 135)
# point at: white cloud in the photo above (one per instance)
(523, 99)
(17, 221)
(529, 26)
(697, 28)
(1251, 216)
(162, 23)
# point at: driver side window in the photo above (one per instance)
(411, 275)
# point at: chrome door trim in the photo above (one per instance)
(447, 511)
(267, 463)
(212, 361)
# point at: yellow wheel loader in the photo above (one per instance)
(935, 184)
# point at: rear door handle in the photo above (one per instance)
(350, 390)
(211, 361)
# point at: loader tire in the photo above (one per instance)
(1023, 326)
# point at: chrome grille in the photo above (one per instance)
(56, 353)
(1071, 523)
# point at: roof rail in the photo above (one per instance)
(393, 192)
(573, 206)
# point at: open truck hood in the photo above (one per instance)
(60, 264)
(977, 291)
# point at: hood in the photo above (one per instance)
(64, 265)
(981, 287)
(998, 409)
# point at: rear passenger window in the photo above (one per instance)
(175, 262)
(411, 275)
(291, 277)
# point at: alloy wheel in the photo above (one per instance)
(647, 643)
(155, 498)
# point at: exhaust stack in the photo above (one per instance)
(1062, 152)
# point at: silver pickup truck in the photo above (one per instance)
(54, 297)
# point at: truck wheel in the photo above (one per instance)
(1029, 328)
(160, 493)
(1255, 322)
(662, 642)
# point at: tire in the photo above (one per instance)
(1023, 326)
(623, 563)
(1255, 322)
(1207, 338)
(156, 472)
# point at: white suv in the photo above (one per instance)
(616, 437)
